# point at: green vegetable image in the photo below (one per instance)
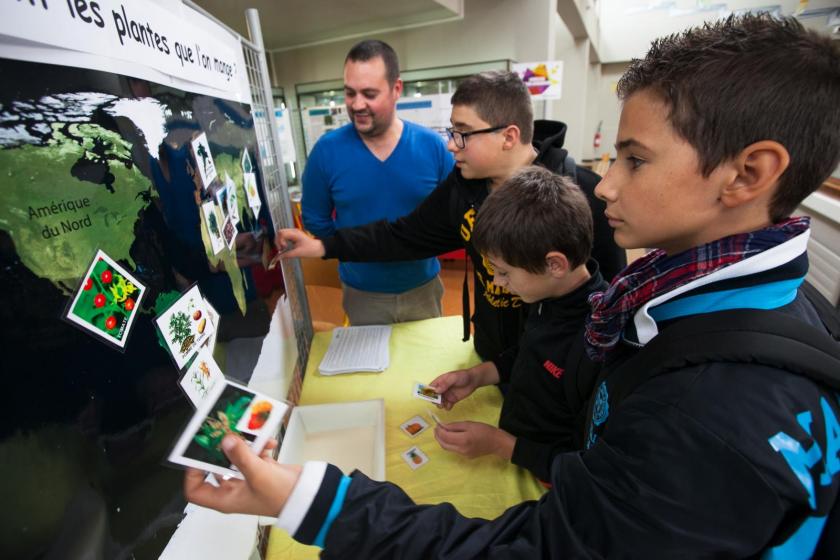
(205, 157)
(179, 330)
(213, 430)
(213, 224)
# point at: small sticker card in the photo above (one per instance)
(250, 183)
(201, 377)
(426, 393)
(214, 226)
(232, 200)
(107, 302)
(228, 227)
(185, 326)
(229, 408)
(414, 426)
(247, 167)
(415, 458)
(203, 160)
(213, 318)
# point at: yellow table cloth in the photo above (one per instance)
(420, 351)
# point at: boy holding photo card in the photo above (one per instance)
(228, 409)
(536, 233)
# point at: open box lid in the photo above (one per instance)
(349, 435)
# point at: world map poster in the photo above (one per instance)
(97, 161)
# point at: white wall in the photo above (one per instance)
(626, 35)
(608, 108)
(572, 107)
(490, 30)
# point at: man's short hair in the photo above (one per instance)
(373, 48)
(500, 98)
(533, 213)
(744, 79)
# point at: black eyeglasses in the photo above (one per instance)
(460, 138)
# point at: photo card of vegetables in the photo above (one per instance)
(229, 408)
(185, 326)
(201, 377)
(107, 301)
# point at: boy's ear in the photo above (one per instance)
(758, 168)
(556, 263)
(511, 136)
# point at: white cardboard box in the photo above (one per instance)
(349, 435)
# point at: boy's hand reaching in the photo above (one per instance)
(474, 439)
(293, 243)
(454, 386)
(264, 491)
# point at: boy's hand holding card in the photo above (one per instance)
(228, 409)
(425, 393)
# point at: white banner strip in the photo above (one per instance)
(180, 43)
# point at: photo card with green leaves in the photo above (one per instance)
(229, 408)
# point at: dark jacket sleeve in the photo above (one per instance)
(538, 457)
(427, 231)
(610, 256)
(657, 486)
(504, 363)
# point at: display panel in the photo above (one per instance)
(92, 161)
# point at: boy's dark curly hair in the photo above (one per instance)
(749, 78)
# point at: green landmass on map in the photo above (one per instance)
(38, 177)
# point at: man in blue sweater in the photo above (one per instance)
(376, 168)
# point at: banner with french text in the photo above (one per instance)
(176, 41)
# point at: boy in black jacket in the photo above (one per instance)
(724, 130)
(493, 135)
(536, 235)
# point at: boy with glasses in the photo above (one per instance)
(492, 137)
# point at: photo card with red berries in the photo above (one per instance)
(228, 408)
(107, 301)
(185, 325)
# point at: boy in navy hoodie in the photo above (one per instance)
(535, 233)
(723, 132)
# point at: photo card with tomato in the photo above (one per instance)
(201, 377)
(229, 408)
(414, 426)
(415, 458)
(107, 301)
(185, 326)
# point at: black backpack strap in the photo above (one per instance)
(740, 336)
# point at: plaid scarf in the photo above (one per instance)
(657, 273)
